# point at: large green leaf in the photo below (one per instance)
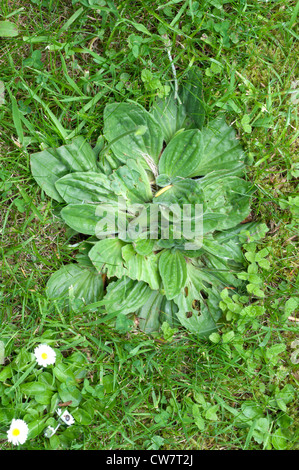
(173, 271)
(169, 115)
(85, 187)
(51, 164)
(181, 156)
(198, 304)
(198, 321)
(100, 220)
(132, 132)
(192, 97)
(195, 153)
(226, 195)
(168, 312)
(86, 285)
(140, 267)
(149, 314)
(126, 295)
(220, 150)
(183, 112)
(106, 255)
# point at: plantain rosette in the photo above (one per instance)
(158, 172)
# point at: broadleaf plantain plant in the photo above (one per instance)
(152, 174)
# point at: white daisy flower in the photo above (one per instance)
(18, 432)
(45, 355)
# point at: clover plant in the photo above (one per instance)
(151, 173)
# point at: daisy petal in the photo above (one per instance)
(44, 355)
(18, 432)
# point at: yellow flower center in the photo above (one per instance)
(15, 432)
(44, 355)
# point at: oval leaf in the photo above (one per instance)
(126, 295)
(99, 220)
(8, 29)
(87, 285)
(192, 97)
(181, 156)
(195, 153)
(121, 124)
(169, 115)
(85, 187)
(173, 271)
(51, 164)
(149, 314)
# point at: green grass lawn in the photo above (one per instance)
(238, 390)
